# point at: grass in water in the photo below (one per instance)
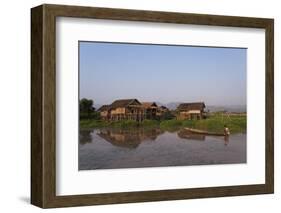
(236, 124)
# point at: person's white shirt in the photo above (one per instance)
(226, 131)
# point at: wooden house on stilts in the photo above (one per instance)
(191, 111)
(124, 109)
(150, 110)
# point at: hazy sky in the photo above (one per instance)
(162, 73)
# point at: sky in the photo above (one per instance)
(162, 73)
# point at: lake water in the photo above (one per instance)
(137, 148)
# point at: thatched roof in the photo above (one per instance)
(104, 108)
(149, 104)
(191, 106)
(124, 103)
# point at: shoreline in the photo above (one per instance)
(236, 124)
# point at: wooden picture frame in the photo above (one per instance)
(43, 105)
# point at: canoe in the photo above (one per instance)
(198, 131)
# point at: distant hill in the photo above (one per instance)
(230, 108)
(213, 108)
(173, 105)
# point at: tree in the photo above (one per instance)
(86, 106)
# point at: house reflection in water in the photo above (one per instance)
(85, 136)
(129, 138)
(190, 136)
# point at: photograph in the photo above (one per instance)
(170, 105)
(161, 105)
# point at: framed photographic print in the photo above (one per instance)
(137, 106)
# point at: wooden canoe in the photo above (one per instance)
(198, 131)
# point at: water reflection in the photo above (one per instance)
(130, 138)
(226, 140)
(85, 136)
(190, 136)
(185, 134)
(112, 148)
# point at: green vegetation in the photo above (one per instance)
(125, 124)
(215, 123)
(150, 123)
(171, 125)
(86, 109)
(92, 123)
(92, 115)
(89, 118)
(236, 124)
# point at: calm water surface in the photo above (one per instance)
(136, 148)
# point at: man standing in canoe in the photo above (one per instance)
(226, 130)
(226, 135)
